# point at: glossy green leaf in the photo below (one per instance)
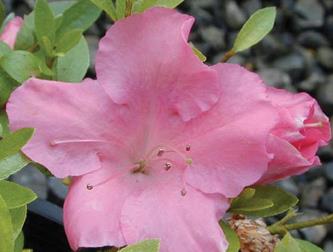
(255, 29)
(26, 39)
(15, 195)
(80, 15)
(2, 12)
(20, 65)
(107, 6)
(231, 236)
(4, 49)
(6, 229)
(288, 244)
(68, 40)
(120, 8)
(12, 143)
(7, 85)
(19, 243)
(199, 54)
(18, 216)
(141, 5)
(306, 246)
(12, 164)
(74, 65)
(267, 201)
(45, 26)
(4, 124)
(145, 246)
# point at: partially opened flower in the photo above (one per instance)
(301, 130)
(156, 145)
(10, 31)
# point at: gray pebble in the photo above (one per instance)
(311, 13)
(325, 57)
(234, 15)
(327, 201)
(312, 192)
(312, 39)
(213, 36)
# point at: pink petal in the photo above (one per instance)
(11, 30)
(145, 60)
(68, 118)
(228, 144)
(92, 217)
(185, 222)
(287, 161)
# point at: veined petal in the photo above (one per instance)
(183, 219)
(71, 122)
(92, 217)
(145, 60)
(229, 158)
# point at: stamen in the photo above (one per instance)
(183, 192)
(189, 161)
(160, 152)
(188, 147)
(313, 125)
(167, 166)
(67, 141)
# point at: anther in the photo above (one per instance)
(167, 166)
(90, 187)
(188, 147)
(189, 161)
(160, 152)
(183, 192)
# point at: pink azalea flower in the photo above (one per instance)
(156, 145)
(301, 130)
(11, 30)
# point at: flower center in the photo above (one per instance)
(163, 153)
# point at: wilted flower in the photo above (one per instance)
(10, 31)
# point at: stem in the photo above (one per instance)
(228, 55)
(281, 229)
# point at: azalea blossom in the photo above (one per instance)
(157, 144)
(301, 130)
(11, 30)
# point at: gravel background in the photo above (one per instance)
(297, 55)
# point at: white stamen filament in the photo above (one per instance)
(68, 141)
(313, 125)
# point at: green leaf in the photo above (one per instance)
(6, 229)
(20, 65)
(199, 54)
(231, 236)
(18, 216)
(12, 143)
(26, 39)
(107, 6)
(4, 123)
(255, 29)
(15, 195)
(306, 246)
(19, 243)
(142, 5)
(74, 65)
(289, 244)
(80, 15)
(7, 85)
(44, 25)
(267, 201)
(120, 8)
(145, 246)
(68, 40)
(2, 12)
(4, 49)
(12, 164)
